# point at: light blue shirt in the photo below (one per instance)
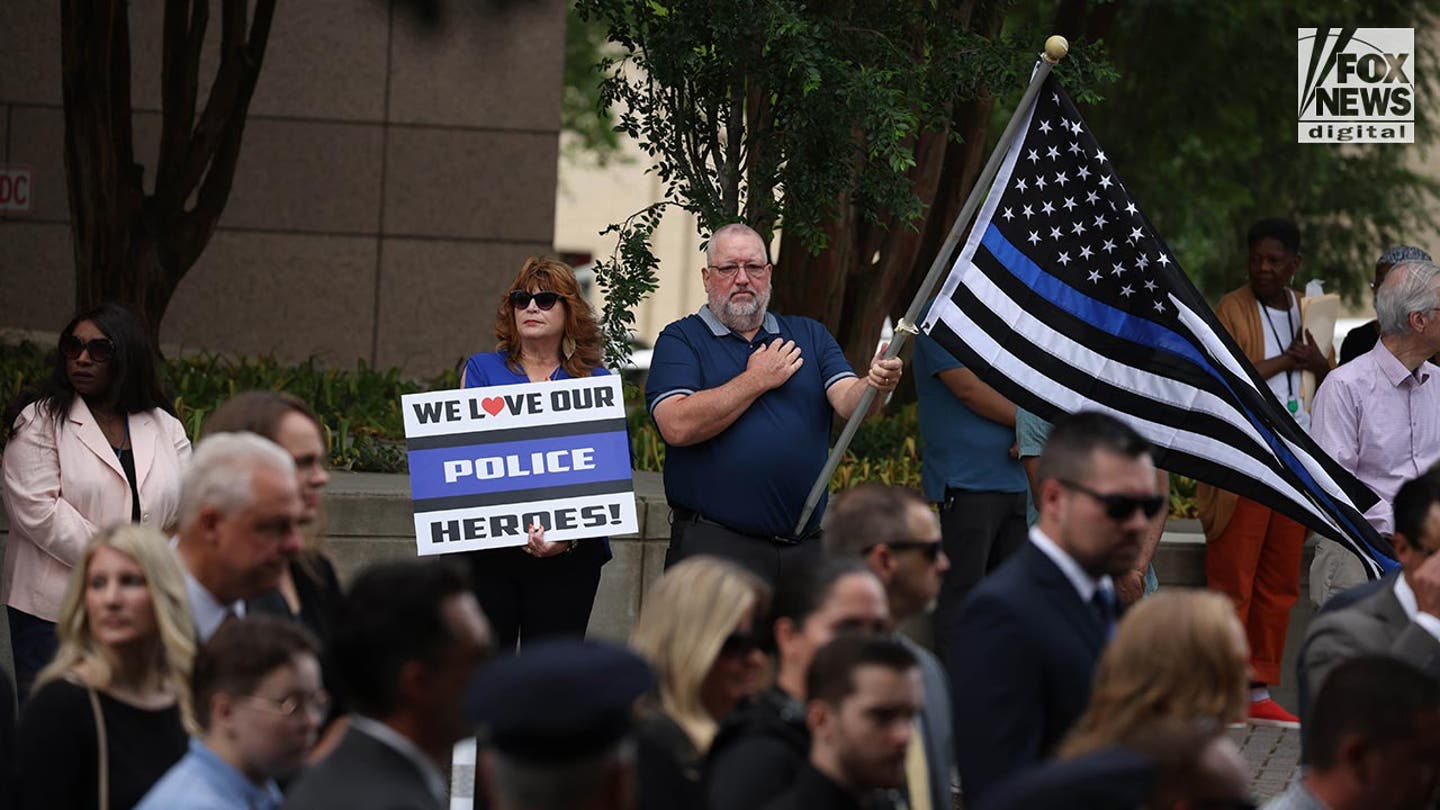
(201, 780)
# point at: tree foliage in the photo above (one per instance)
(1203, 125)
(840, 124)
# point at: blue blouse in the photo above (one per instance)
(489, 368)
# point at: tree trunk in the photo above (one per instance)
(132, 248)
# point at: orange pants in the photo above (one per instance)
(1256, 561)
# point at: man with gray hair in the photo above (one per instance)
(240, 512)
(744, 399)
(1379, 416)
(1362, 338)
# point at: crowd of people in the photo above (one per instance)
(181, 639)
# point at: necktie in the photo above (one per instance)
(1104, 604)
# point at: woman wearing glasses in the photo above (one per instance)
(95, 444)
(545, 331)
(110, 713)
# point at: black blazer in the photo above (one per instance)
(1021, 655)
(362, 773)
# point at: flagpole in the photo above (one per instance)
(1056, 47)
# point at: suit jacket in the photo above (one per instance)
(1021, 656)
(936, 719)
(63, 483)
(1375, 625)
(813, 790)
(362, 773)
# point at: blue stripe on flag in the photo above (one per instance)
(1148, 333)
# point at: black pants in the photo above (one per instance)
(529, 598)
(32, 646)
(769, 559)
(980, 530)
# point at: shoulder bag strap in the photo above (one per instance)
(102, 747)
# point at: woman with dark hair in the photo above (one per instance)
(95, 444)
(545, 331)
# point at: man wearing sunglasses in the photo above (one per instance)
(1024, 648)
(897, 534)
(1401, 620)
(744, 399)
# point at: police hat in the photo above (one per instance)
(558, 700)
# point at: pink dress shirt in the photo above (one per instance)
(1381, 422)
(63, 483)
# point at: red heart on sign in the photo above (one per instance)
(493, 405)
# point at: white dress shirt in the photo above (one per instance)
(1085, 585)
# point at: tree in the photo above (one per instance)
(1203, 124)
(855, 128)
(131, 246)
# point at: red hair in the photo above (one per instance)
(580, 341)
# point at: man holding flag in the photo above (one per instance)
(1064, 298)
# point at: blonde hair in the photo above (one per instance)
(683, 623)
(1172, 657)
(173, 651)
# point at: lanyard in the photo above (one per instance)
(1290, 325)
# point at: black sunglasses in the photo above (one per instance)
(545, 299)
(930, 550)
(101, 350)
(738, 644)
(1120, 507)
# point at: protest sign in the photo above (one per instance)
(485, 463)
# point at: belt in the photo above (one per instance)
(687, 515)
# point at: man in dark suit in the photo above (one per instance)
(1025, 645)
(1402, 620)
(408, 641)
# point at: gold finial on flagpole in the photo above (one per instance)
(1055, 49)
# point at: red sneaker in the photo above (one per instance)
(1269, 713)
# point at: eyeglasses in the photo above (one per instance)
(1120, 507)
(751, 270)
(738, 644)
(317, 704)
(101, 350)
(929, 549)
(545, 299)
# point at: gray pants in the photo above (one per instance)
(1334, 569)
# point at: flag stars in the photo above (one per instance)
(1136, 234)
(1105, 181)
(1028, 212)
(1074, 148)
(1119, 268)
(1075, 128)
(1101, 221)
(1040, 181)
(1033, 156)
(1094, 276)
(1054, 233)
(1078, 228)
(1127, 291)
(1064, 259)
(1069, 204)
(1100, 155)
(1142, 262)
(1083, 172)
(1052, 153)
(1034, 238)
(1150, 285)
(1009, 214)
(1061, 178)
(1163, 260)
(1109, 246)
(1047, 208)
(1021, 184)
(1086, 252)
(1091, 197)
(1045, 127)
(1159, 306)
(1131, 209)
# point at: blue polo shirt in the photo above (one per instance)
(201, 780)
(753, 476)
(963, 450)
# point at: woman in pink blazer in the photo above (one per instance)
(95, 445)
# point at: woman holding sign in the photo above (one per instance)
(545, 331)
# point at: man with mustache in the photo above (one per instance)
(744, 399)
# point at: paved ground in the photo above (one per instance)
(1273, 754)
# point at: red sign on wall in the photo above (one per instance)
(15, 190)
